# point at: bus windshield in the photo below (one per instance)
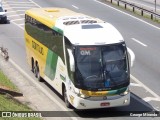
(101, 67)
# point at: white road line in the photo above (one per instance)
(145, 87)
(17, 19)
(147, 99)
(16, 11)
(156, 108)
(139, 42)
(17, 7)
(10, 11)
(139, 82)
(75, 6)
(14, 15)
(35, 3)
(135, 84)
(21, 24)
(18, 25)
(30, 4)
(17, 2)
(5, 5)
(127, 14)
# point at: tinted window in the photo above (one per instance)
(45, 35)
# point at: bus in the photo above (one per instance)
(83, 58)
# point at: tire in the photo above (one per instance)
(32, 65)
(37, 73)
(6, 21)
(68, 105)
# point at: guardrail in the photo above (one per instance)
(134, 7)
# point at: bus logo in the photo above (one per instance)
(85, 52)
(37, 47)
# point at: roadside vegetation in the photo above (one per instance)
(7, 103)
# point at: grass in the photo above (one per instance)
(9, 104)
(4, 81)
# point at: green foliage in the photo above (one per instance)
(4, 81)
(10, 104)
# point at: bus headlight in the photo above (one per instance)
(125, 92)
(79, 94)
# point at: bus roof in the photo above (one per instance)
(80, 29)
(84, 34)
(49, 16)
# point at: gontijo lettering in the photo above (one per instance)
(37, 47)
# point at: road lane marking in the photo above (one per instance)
(127, 14)
(32, 5)
(147, 99)
(17, 25)
(135, 84)
(145, 87)
(17, 19)
(15, 15)
(35, 3)
(75, 6)
(21, 24)
(141, 101)
(139, 42)
(18, 7)
(156, 108)
(15, 11)
(17, 2)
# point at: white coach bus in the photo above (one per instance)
(83, 58)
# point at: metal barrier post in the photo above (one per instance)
(152, 16)
(142, 12)
(133, 9)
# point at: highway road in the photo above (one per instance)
(141, 37)
(149, 4)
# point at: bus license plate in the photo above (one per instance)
(105, 104)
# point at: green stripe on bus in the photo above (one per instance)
(51, 64)
(119, 91)
(58, 30)
(62, 77)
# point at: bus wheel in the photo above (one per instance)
(65, 98)
(37, 74)
(32, 65)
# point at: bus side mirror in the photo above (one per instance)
(132, 56)
(71, 60)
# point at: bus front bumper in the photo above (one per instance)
(80, 103)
